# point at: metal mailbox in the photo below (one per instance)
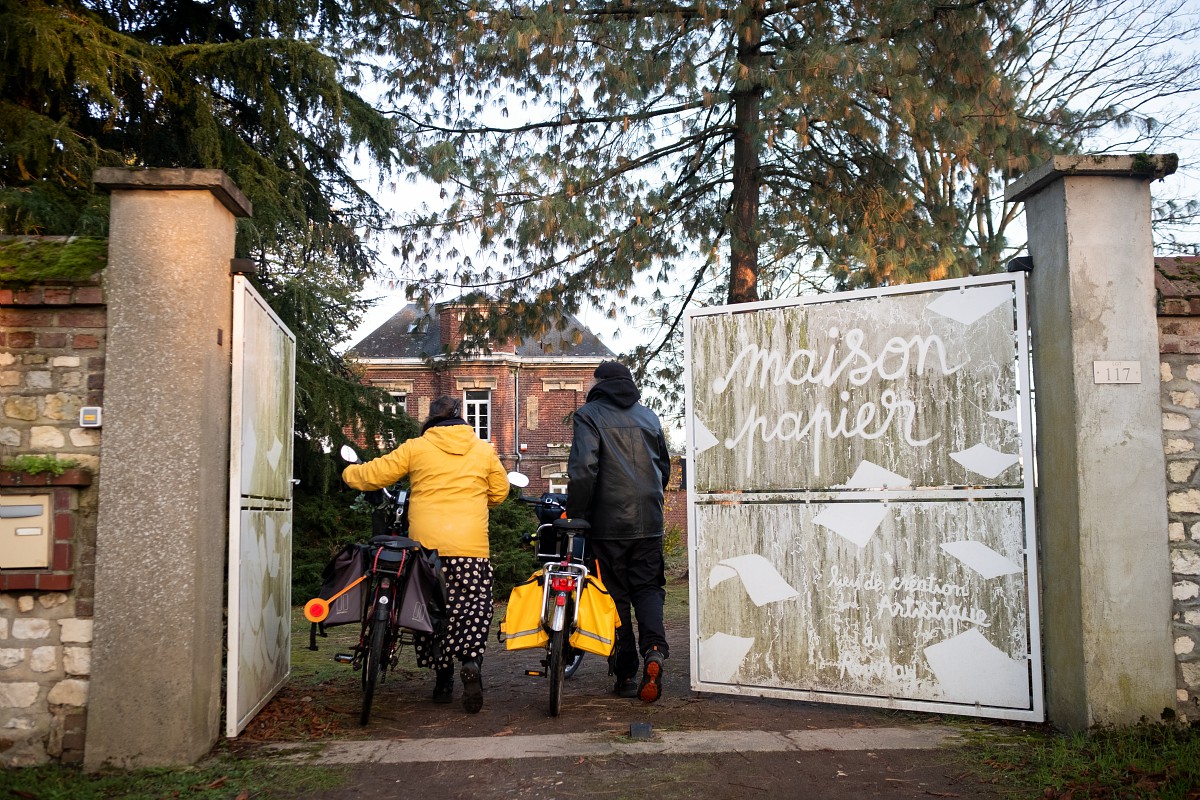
(25, 531)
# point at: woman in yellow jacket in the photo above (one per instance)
(455, 477)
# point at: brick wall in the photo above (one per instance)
(544, 409)
(51, 363)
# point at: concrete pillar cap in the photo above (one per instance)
(1146, 166)
(214, 180)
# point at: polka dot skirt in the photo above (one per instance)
(469, 601)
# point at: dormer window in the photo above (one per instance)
(479, 342)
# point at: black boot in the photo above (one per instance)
(472, 686)
(443, 689)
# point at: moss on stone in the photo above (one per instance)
(25, 260)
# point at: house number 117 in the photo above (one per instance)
(1116, 372)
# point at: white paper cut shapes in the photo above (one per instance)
(981, 558)
(984, 460)
(274, 453)
(856, 522)
(1008, 415)
(704, 438)
(759, 577)
(970, 669)
(721, 655)
(872, 476)
(970, 305)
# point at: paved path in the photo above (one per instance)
(477, 748)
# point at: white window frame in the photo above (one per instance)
(399, 403)
(555, 476)
(477, 412)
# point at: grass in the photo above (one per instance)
(217, 778)
(1159, 761)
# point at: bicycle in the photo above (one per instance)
(563, 576)
(389, 560)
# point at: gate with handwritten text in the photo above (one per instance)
(860, 499)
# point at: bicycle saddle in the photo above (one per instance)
(572, 524)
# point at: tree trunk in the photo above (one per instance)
(747, 96)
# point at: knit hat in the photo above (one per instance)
(613, 369)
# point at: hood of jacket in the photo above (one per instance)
(621, 392)
(453, 437)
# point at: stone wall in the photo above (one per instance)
(1179, 339)
(52, 348)
(1181, 434)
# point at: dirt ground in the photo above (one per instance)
(516, 704)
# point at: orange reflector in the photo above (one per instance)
(316, 610)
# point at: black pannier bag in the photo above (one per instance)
(423, 607)
(348, 565)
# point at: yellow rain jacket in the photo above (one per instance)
(456, 477)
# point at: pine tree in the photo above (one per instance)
(265, 92)
(724, 143)
(631, 154)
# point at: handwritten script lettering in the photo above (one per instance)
(912, 608)
(804, 366)
(868, 424)
(924, 596)
(846, 361)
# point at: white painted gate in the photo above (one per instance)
(260, 507)
(860, 499)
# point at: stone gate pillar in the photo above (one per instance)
(1102, 516)
(161, 534)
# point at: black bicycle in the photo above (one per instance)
(388, 566)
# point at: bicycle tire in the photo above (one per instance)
(573, 665)
(372, 666)
(555, 667)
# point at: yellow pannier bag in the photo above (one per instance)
(598, 620)
(521, 627)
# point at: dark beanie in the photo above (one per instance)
(612, 369)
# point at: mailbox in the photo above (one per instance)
(25, 537)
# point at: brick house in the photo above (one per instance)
(518, 396)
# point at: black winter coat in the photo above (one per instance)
(619, 464)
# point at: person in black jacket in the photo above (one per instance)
(617, 471)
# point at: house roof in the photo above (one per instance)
(415, 333)
(1177, 285)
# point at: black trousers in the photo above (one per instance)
(632, 570)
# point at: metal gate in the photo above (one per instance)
(260, 507)
(860, 499)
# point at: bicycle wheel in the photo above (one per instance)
(555, 668)
(576, 658)
(372, 666)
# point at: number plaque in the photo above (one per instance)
(1116, 372)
